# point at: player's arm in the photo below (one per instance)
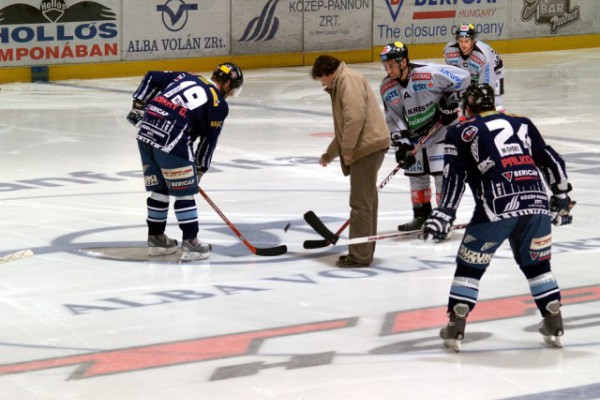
(440, 220)
(553, 168)
(452, 79)
(455, 173)
(152, 84)
(548, 160)
(208, 141)
(452, 83)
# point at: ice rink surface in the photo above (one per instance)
(81, 319)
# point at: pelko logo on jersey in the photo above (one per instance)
(58, 30)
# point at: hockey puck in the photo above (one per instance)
(287, 226)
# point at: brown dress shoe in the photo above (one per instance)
(343, 262)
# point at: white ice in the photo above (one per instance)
(77, 325)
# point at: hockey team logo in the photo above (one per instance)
(469, 133)
(175, 14)
(52, 11)
(264, 27)
(556, 13)
(394, 7)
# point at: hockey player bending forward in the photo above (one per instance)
(418, 99)
(172, 111)
(502, 158)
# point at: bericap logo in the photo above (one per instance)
(264, 27)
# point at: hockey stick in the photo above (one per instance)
(367, 239)
(430, 133)
(17, 255)
(331, 238)
(269, 251)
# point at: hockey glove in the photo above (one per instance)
(404, 149)
(136, 114)
(439, 223)
(560, 209)
(448, 109)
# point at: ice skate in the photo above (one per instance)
(414, 225)
(454, 332)
(551, 327)
(194, 250)
(420, 215)
(161, 245)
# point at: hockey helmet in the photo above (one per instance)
(394, 51)
(478, 98)
(466, 31)
(229, 71)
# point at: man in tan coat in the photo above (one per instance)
(361, 140)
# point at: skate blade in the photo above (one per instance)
(452, 344)
(191, 256)
(554, 341)
(161, 251)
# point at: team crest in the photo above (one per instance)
(469, 133)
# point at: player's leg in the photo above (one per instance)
(475, 253)
(420, 194)
(181, 180)
(157, 204)
(531, 244)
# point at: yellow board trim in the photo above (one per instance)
(416, 51)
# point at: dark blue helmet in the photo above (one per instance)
(230, 72)
(478, 97)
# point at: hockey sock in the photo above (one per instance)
(187, 216)
(158, 210)
(420, 196)
(542, 284)
(465, 286)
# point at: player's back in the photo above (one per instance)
(495, 151)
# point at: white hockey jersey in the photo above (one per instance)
(414, 107)
(484, 65)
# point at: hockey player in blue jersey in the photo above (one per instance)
(505, 161)
(172, 111)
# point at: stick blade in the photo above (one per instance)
(315, 222)
(315, 244)
(271, 251)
